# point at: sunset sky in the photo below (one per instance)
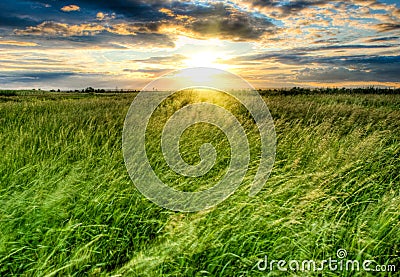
(127, 43)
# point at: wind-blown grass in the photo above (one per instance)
(68, 207)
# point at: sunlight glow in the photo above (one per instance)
(198, 77)
(206, 59)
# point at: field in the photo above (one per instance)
(68, 206)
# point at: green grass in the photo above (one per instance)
(68, 207)
(22, 92)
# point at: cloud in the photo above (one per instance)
(346, 74)
(323, 74)
(149, 72)
(308, 55)
(237, 27)
(283, 9)
(133, 28)
(105, 16)
(69, 80)
(96, 36)
(56, 29)
(34, 76)
(18, 43)
(71, 8)
(205, 20)
(50, 28)
(382, 39)
(167, 12)
(217, 20)
(387, 27)
(174, 59)
(311, 66)
(100, 16)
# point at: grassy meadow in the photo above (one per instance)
(69, 208)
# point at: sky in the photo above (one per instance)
(51, 44)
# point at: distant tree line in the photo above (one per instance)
(310, 91)
(92, 90)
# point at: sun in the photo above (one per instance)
(206, 59)
(205, 77)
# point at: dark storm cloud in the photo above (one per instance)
(297, 6)
(356, 46)
(34, 76)
(224, 21)
(323, 74)
(387, 27)
(55, 80)
(238, 27)
(354, 68)
(288, 7)
(389, 73)
(382, 39)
